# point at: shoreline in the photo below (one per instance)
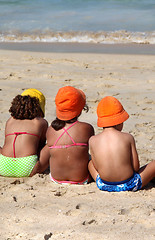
(97, 48)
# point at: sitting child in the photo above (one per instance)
(115, 164)
(67, 140)
(25, 135)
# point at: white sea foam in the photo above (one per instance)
(82, 37)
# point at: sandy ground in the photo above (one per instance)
(36, 209)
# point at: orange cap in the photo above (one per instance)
(110, 112)
(69, 102)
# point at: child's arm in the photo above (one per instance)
(44, 159)
(134, 155)
(43, 162)
(43, 135)
(91, 141)
(91, 165)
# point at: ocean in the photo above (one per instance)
(84, 21)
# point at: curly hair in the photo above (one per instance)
(25, 107)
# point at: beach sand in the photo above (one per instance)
(36, 209)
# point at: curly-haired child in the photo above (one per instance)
(25, 135)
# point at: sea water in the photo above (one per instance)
(96, 21)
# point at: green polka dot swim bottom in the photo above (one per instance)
(17, 167)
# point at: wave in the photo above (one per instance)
(81, 37)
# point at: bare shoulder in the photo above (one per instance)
(43, 122)
(87, 126)
(42, 125)
(129, 137)
(9, 121)
(92, 139)
(50, 131)
(8, 124)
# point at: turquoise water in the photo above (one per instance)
(104, 21)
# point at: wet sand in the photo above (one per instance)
(140, 49)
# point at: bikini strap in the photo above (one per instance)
(19, 133)
(16, 135)
(65, 131)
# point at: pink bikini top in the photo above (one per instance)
(17, 134)
(69, 145)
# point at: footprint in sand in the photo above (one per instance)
(48, 236)
(18, 181)
(60, 193)
(68, 80)
(92, 221)
(74, 212)
(123, 211)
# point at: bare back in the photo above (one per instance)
(70, 163)
(28, 143)
(114, 155)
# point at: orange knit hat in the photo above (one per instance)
(110, 112)
(69, 102)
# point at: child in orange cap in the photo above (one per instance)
(67, 139)
(25, 135)
(115, 165)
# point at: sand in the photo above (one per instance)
(36, 209)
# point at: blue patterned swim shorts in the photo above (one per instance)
(133, 183)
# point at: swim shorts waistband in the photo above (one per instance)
(133, 183)
(85, 181)
(117, 183)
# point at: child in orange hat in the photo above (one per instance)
(115, 164)
(67, 140)
(25, 135)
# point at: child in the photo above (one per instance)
(67, 139)
(115, 165)
(25, 135)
